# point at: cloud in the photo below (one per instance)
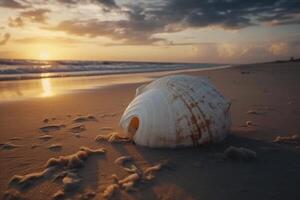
(4, 39)
(245, 52)
(106, 3)
(43, 40)
(147, 18)
(35, 15)
(123, 30)
(280, 48)
(15, 22)
(13, 4)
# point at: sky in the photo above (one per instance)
(215, 31)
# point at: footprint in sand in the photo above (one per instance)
(51, 128)
(55, 147)
(107, 115)
(9, 146)
(45, 137)
(77, 128)
(15, 138)
(106, 129)
(84, 119)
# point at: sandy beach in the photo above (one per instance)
(34, 130)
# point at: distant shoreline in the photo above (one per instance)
(30, 76)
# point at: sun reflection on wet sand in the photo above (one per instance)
(47, 87)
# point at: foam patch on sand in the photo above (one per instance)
(293, 139)
(130, 182)
(29, 179)
(112, 137)
(63, 168)
(239, 154)
(74, 160)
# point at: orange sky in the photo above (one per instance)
(161, 30)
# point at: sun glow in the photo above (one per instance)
(44, 55)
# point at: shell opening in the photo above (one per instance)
(133, 126)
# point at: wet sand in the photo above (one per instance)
(265, 95)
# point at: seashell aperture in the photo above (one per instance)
(177, 110)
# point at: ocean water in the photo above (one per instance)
(34, 69)
(23, 79)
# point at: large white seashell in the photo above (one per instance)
(177, 110)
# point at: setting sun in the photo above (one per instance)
(44, 55)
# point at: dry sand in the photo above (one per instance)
(267, 95)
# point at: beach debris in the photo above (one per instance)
(77, 128)
(253, 112)
(149, 172)
(51, 128)
(9, 146)
(84, 119)
(128, 182)
(60, 194)
(113, 137)
(120, 160)
(71, 181)
(177, 110)
(249, 123)
(293, 139)
(239, 154)
(110, 190)
(45, 137)
(55, 147)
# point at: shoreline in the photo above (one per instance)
(73, 84)
(78, 74)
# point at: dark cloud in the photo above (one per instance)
(12, 4)
(106, 3)
(126, 31)
(147, 18)
(4, 39)
(35, 15)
